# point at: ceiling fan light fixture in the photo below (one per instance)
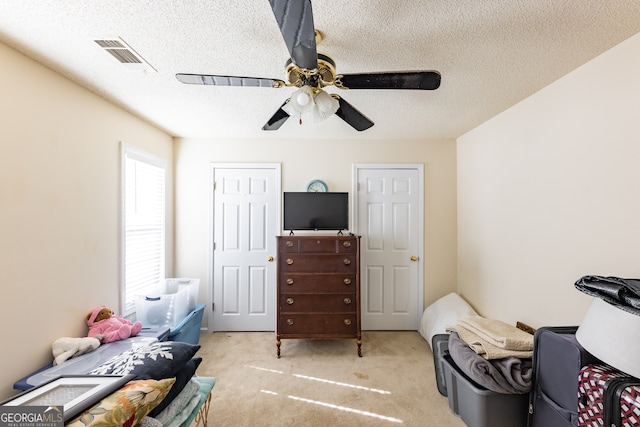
(303, 98)
(325, 106)
(316, 103)
(301, 102)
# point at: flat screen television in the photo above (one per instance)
(316, 211)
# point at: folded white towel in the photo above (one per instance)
(494, 339)
(498, 333)
(485, 348)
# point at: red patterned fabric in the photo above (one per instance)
(591, 394)
(630, 406)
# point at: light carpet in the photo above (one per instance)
(323, 382)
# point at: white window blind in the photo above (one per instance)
(143, 225)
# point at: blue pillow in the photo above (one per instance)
(157, 360)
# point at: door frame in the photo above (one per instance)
(211, 240)
(419, 167)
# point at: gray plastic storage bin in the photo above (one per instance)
(479, 407)
(440, 346)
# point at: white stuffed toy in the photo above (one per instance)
(65, 348)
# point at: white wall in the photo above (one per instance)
(59, 208)
(549, 191)
(331, 161)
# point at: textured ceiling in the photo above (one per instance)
(491, 54)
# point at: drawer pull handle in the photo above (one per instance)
(289, 261)
(347, 281)
(347, 301)
(346, 244)
(288, 243)
(289, 281)
(289, 322)
(289, 300)
(347, 261)
(347, 322)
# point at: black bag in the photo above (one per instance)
(622, 293)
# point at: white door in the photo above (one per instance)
(246, 219)
(389, 218)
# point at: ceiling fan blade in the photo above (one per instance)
(205, 79)
(277, 119)
(295, 19)
(353, 117)
(424, 80)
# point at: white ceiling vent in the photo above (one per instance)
(124, 54)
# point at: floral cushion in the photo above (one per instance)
(126, 406)
(157, 360)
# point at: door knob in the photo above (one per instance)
(414, 258)
(270, 259)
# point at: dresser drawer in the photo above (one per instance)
(318, 325)
(318, 245)
(347, 245)
(318, 263)
(331, 245)
(288, 244)
(319, 303)
(317, 283)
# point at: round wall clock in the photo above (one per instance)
(317, 186)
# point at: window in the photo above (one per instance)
(143, 224)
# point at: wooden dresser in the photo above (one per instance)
(318, 292)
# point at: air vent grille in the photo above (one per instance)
(117, 48)
(110, 44)
(125, 56)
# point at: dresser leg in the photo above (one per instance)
(359, 347)
(278, 342)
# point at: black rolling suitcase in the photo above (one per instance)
(557, 360)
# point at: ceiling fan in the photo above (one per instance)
(310, 71)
